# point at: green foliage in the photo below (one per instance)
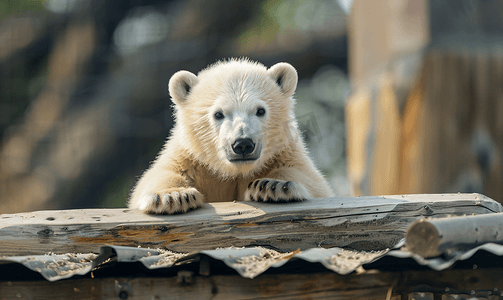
(262, 30)
(8, 7)
(117, 192)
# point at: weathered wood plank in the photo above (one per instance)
(320, 286)
(364, 223)
(367, 285)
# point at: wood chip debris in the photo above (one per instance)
(253, 265)
(168, 258)
(346, 261)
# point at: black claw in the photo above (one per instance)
(263, 184)
(286, 186)
(186, 198)
(157, 200)
(251, 198)
(255, 184)
(273, 186)
(193, 197)
(249, 184)
(260, 199)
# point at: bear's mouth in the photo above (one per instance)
(243, 160)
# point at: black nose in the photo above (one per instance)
(243, 146)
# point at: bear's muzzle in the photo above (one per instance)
(244, 150)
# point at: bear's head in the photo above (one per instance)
(236, 115)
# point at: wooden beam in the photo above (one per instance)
(367, 285)
(362, 223)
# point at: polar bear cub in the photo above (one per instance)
(235, 138)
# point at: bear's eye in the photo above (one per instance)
(219, 115)
(260, 112)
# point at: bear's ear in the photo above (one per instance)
(180, 85)
(285, 76)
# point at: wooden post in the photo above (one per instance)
(426, 116)
(380, 31)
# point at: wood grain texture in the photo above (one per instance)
(283, 286)
(325, 285)
(362, 223)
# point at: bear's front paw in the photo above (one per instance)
(274, 190)
(172, 201)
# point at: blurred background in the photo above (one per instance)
(84, 106)
(394, 96)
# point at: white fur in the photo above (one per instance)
(194, 163)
